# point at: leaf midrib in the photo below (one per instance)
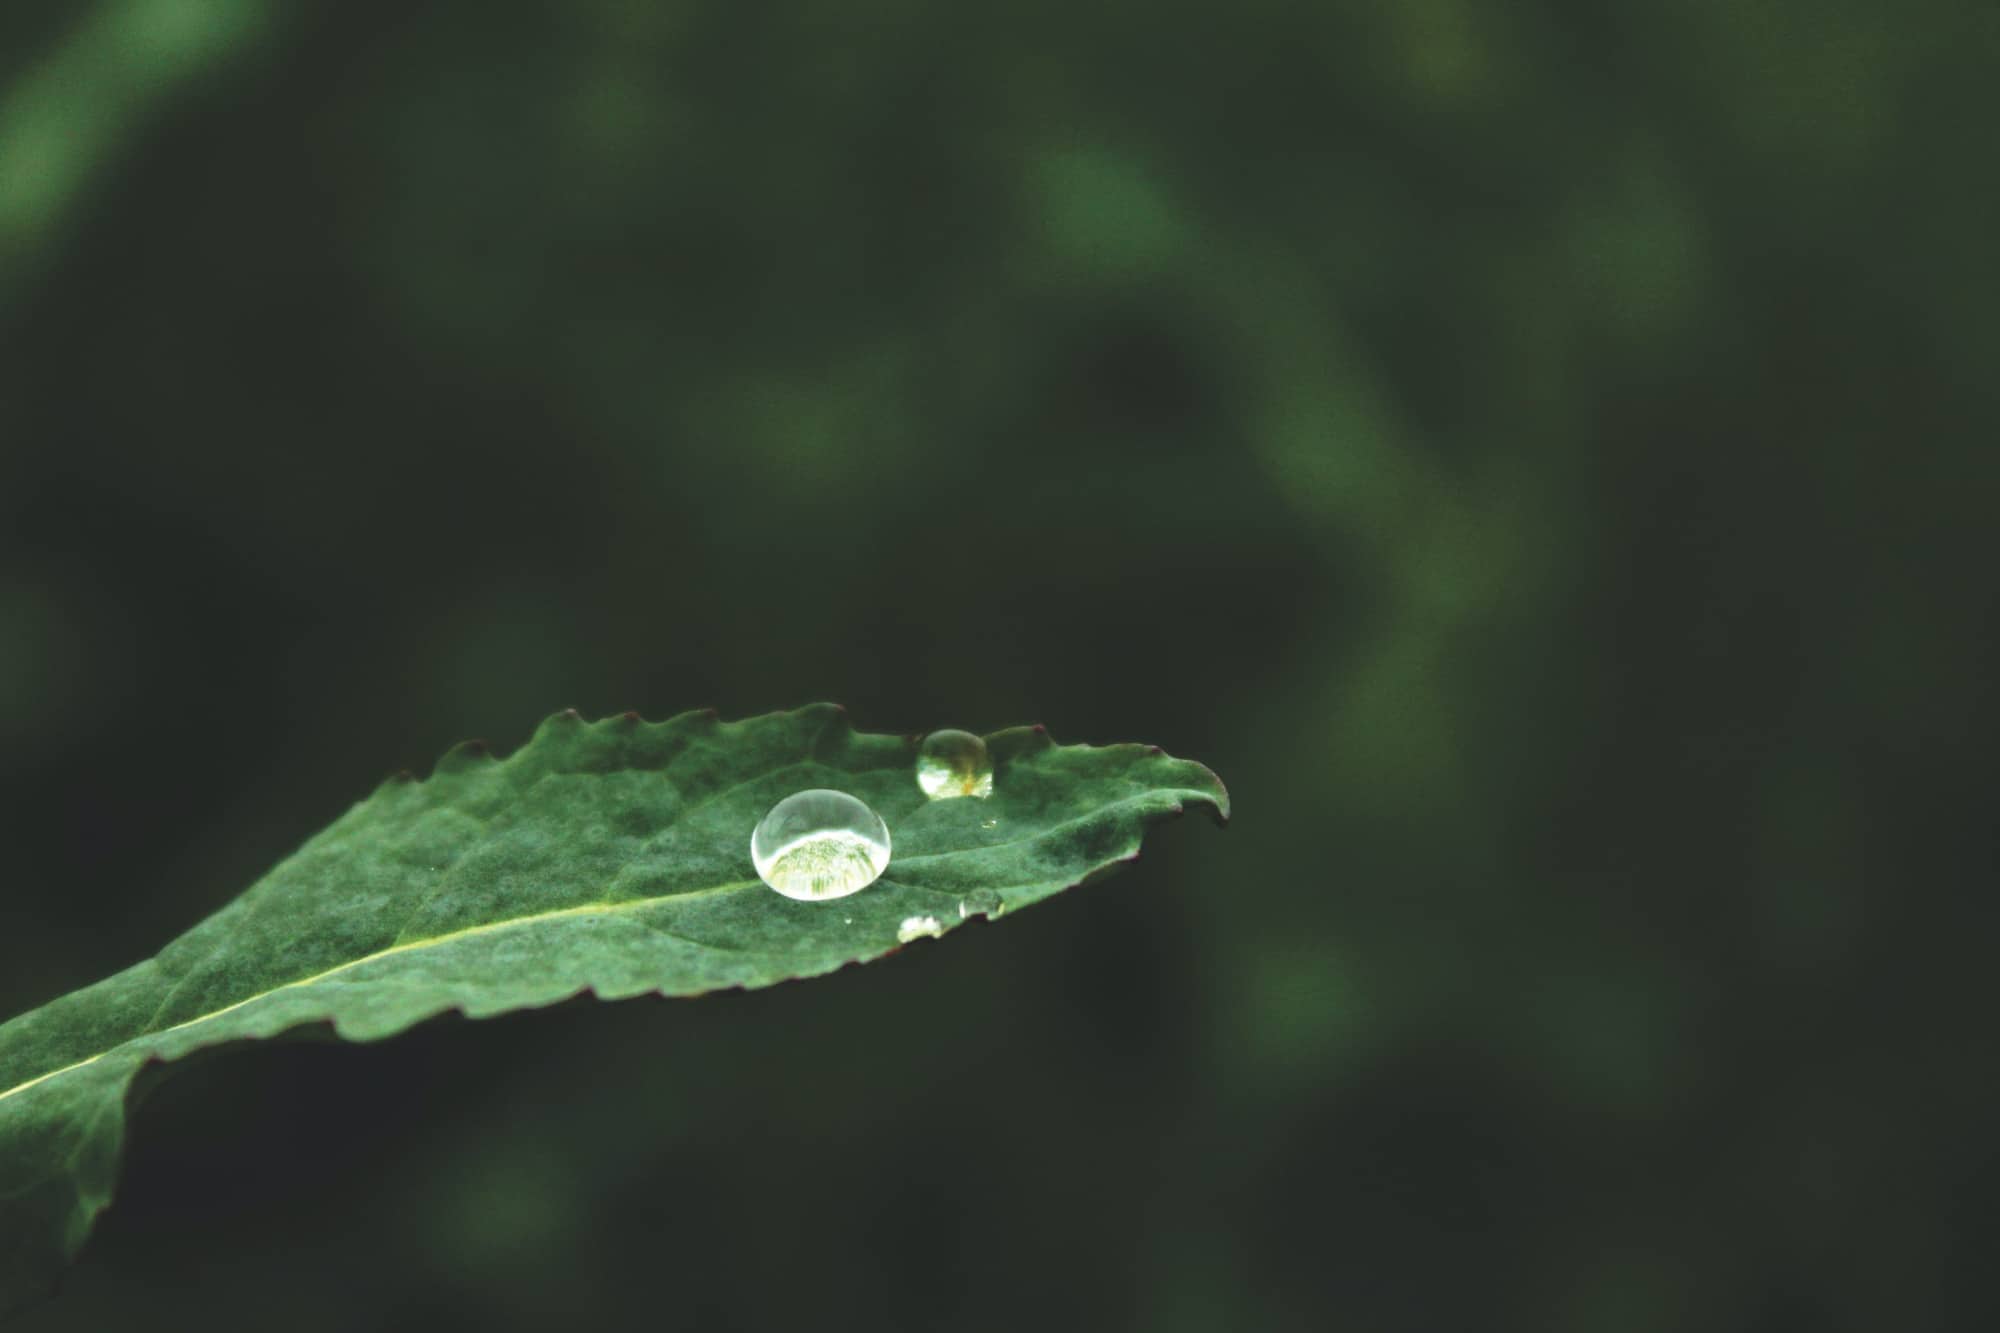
(533, 918)
(402, 946)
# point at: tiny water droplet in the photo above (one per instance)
(980, 902)
(989, 823)
(916, 927)
(819, 844)
(954, 763)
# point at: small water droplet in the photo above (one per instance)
(819, 844)
(989, 823)
(916, 927)
(980, 902)
(954, 763)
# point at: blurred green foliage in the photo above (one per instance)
(1548, 449)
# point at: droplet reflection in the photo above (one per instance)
(819, 844)
(954, 763)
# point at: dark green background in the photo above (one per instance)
(1541, 455)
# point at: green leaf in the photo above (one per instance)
(609, 857)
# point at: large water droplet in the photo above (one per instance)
(819, 844)
(954, 763)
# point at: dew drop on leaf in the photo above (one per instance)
(980, 902)
(916, 927)
(819, 844)
(954, 763)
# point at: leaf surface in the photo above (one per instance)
(609, 858)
